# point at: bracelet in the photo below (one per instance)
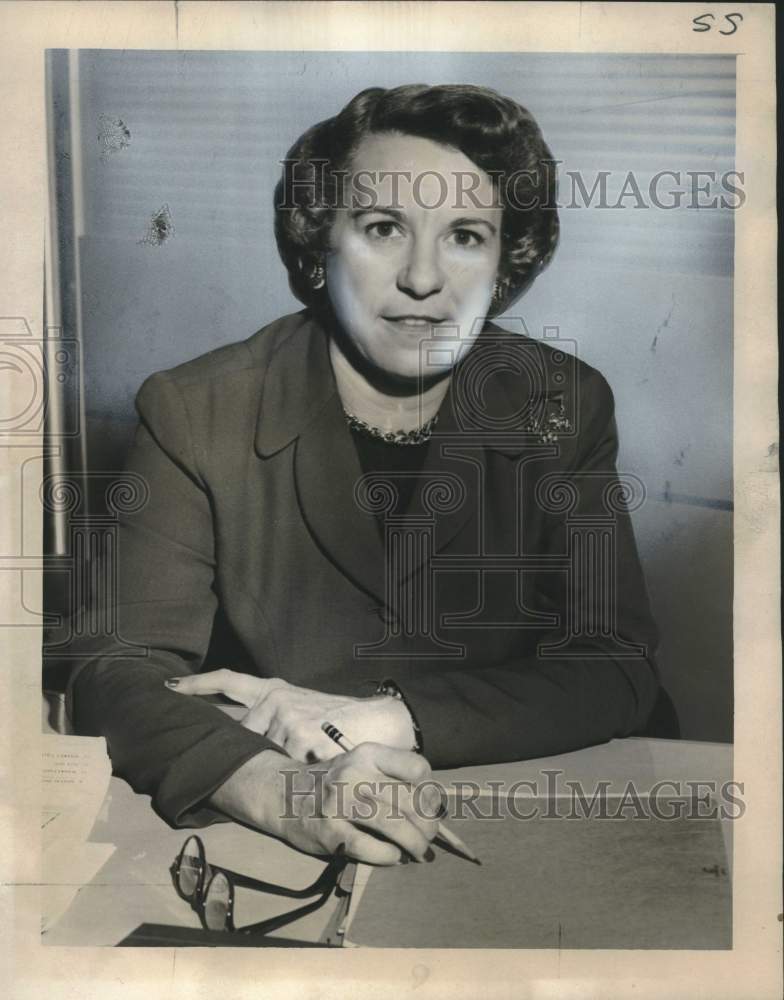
(390, 688)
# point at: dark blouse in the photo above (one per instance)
(402, 461)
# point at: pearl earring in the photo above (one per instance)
(317, 277)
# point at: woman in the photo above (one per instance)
(384, 512)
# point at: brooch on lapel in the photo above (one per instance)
(552, 422)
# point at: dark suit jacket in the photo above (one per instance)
(253, 536)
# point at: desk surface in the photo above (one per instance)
(134, 887)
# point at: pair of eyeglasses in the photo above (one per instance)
(210, 890)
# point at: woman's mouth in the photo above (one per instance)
(414, 321)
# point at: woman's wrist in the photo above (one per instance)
(253, 794)
(390, 690)
(396, 724)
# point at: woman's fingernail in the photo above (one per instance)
(430, 854)
(172, 682)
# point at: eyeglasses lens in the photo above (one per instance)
(190, 868)
(217, 903)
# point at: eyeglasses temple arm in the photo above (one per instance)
(327, 878)
(273, 923)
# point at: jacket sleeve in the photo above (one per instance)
(542, 705)
(174, 748)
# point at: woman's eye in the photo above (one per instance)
(381, 230)
(467, 238)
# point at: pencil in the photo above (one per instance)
(444, 833)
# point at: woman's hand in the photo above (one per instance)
(292, 716)
(378, 802)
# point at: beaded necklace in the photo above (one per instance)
(416, 436)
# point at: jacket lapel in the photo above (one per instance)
(327, 471)
(300, 405)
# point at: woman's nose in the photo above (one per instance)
(421, 275)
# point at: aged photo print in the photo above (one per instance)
(391, 459)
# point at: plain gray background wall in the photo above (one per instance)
(645, 293)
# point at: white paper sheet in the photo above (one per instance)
(75, 774)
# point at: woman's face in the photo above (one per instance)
(413, 259)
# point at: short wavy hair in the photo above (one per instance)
(497, 134)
